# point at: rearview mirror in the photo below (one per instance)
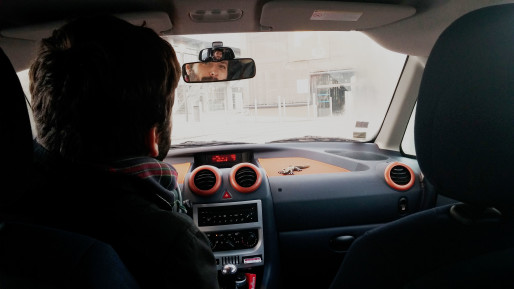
(216, 54)
(225, 70)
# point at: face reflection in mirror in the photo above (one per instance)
(217, 55)
(207, 71)
(224, 70)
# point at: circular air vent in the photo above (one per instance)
(399, 176)
(245, 177)
(205, 180)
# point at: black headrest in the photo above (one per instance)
(464, 129)
(16, 141)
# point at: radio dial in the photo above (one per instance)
(233, 240)
(249, 239)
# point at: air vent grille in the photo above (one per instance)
(246, 177)
(205, 180)
(400, 175)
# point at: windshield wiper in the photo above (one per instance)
(309, 138)
(189, 144)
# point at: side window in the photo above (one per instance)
(24, 80)
(407, 145)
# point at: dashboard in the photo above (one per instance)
(268, 208)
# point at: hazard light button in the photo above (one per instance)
(227, 195)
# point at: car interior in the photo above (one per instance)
(418, 198)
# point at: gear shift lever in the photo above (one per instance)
(228, 276)
(228, 269)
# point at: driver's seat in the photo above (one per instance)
(464, 136)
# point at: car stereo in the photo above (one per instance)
(234, 230)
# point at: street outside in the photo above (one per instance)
(263, 125)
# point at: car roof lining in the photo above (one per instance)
(407, 26)
(331, 15)
(157, 20)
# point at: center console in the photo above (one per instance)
(229, 199)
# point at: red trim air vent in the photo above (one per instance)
(399, 176)
(205, 180)
(245, 177)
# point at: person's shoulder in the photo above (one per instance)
(163, 232)
(174, 222)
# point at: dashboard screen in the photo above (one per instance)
(222, 159)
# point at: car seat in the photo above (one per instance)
(464, 138)
(33, 256)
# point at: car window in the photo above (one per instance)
(408, 146)
(306, 84)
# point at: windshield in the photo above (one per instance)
(320, 86)
(317, 84)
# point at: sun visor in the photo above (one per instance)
(330, 15)
(158, 21)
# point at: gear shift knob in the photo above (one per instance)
(228, 276)
(229, 269)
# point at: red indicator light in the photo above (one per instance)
(223, 158)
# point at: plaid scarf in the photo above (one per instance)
(155, 171)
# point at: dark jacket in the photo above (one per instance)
(162, 248)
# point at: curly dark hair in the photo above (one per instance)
(98, 85)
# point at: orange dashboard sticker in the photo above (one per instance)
(275, 166)
(182, 170)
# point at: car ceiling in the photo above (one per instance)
(413, 35)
